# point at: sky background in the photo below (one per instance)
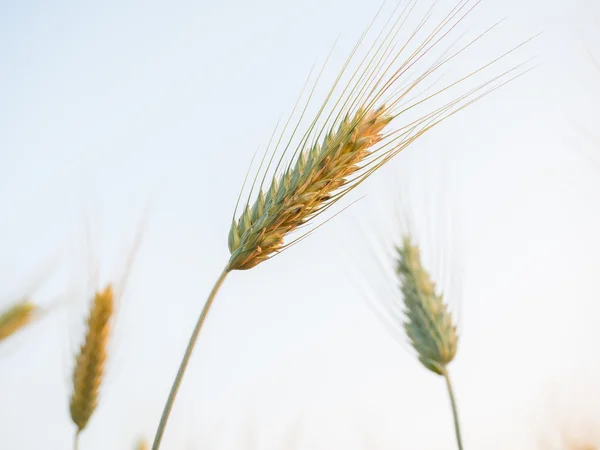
(108, 107)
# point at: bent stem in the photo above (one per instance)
(454, 407)
(186, 359)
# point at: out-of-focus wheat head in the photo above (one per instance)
(24, 312)
(142, 444)
(90, 361)
(347, 141)
(576, 445)
(579, 436)
(569, 417)
(16, 317)
(429, 325)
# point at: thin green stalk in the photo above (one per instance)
(454, 407)
(184, 362)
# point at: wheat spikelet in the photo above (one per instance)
(15, 318)
(89, 364)
(428, 324)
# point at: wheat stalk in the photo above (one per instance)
(15, 318)
(89, 364)
(348, 140)
(428, 325)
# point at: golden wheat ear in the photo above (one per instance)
(91, 358)
(142, 444)
(24, 312)
(355, 132)
(90, 361)
(16, 317)
(305, 189)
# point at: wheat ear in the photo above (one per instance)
(305, 189)
(89, 364)
(142, 444)
(348, 140)
(428, 325)
(15, 318)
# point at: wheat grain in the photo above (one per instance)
(89, 364)
(15, 318)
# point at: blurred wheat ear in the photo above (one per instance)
(22, 313)
(428, 325)
(142, 444)
(89, 363)
(15, 318)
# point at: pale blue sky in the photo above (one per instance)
(107, 105)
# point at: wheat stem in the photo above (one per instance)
(186, 359)
(76, 441)
(454, 407)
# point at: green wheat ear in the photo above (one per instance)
(428, 324)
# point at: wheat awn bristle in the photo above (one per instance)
(89, 364)
(428, 324)
(15, 318)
